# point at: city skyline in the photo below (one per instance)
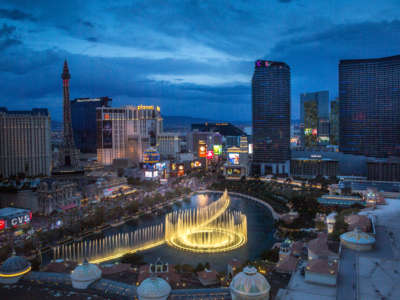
(132, 53)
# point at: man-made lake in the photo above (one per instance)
(260, 234)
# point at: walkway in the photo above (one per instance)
(267, 205)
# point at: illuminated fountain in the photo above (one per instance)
(208, 229)
(112, 246)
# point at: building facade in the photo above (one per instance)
(83, 114)
(127, 132)
(229, 132)
(369, 93)
(169, 145)
(271, 117)
(209, 138)
(384, 169)
(334, 123)
(25, 145)
(56, 196)
(314, 166)
(314, 118)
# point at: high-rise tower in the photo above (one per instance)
(271, 117)
(70, 155)
(369, 105)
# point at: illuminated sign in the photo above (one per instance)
(233, 158)
(202, 149)
(151, 157)
(316, 156)
(181, 170)
(20, 220)
(2, 224)
(234, 172)
(314, 132)
(195, 164)
(210, 154)
(250, 148)
(308, 131)
(217, 149)
(107, 134)
(145, 107)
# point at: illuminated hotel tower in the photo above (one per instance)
(271, 117)
(70, 154)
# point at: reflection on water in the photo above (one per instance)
(259, 226)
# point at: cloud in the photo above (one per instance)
(15, 14)
(6, 30)
(7, 39)
(92, 39)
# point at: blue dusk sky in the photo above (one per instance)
(193, 58)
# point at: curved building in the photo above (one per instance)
(153, 288)
(357, 240)
(249, 285)
(271, 117)
(13, 269)
(85, 274)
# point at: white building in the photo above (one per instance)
(153, 288)
(249, 285)
(169, 145)
(322, 271)
(84, 275)
(126, 132)
(25, 142)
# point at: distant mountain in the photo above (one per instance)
(172, 122)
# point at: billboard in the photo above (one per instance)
(234, 172)
(210, 154)
(233, 158)
(202, 149)
(181, 170)
(195, 164)
(15, 220)
(107, 134)
(217, 150)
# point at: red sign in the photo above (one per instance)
(314, 132)
(203, 150)
(2, 224)
(210, 154)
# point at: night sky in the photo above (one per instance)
(193, 58)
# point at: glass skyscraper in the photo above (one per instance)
(83, 113)
(271, 117)
(369, 92)
(314, 118)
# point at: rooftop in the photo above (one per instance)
(10, 211)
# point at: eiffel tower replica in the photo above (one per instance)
(69, 154)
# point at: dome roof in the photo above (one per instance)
(86, 272)
(357, 237)
(15, 265)
(250, 283)
(154, 287)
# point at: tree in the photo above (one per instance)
(187, 268)
(132, 258)
(271, 255)
(199, 267)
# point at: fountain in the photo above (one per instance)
(208, 229)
